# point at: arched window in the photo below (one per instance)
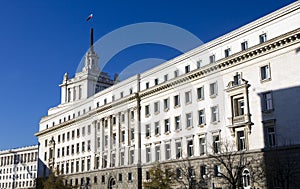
(246, 179)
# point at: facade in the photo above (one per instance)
(18, 167)
(240, 87)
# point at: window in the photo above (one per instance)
(200, 93)
(77, 166)
(241, 140)
(190, 147)
(114, 137)
(246, 178)
(68, 136)
(122, 158)
(217, 170)
(58, 138)
(148, 154)
(105, 101)
(120, 177)
(63, 137)
(199, 64)
(104, 165)
(189, 120)
(178, 149)
(156, 107)
(83, 147)
(89, 145)
(72, 149)
(166, 104)
(123, 136)
(123, 118)
(147, 85)
(103, 179)
(239, 106)
(114, 120)
(213, 89)
(227, 52)
(267, 101)
(131, 158)
(129, 176)
(178, 173)
(177, 123)
(214, 114)
(212, 59)
(187, 69)
(176, 73)
(157, 153)
(176, 101)
(121, 94)
(188, 97)
(58, 152)
(157, 128)
(201, 114)
(83, 131)
(271, 136)
(77, 148)
(156, 81)
(202, 145)
(73, 134)
(147, 175)
(265, 72)
(132, 115)
(216, 143)
(167, 125)
(168, 151)
(130, 91)
(89, 129)
(147, 110)
(95, 179)
(191, 172)
(113, 98)
(82, 165)
(106, 140)
(148, 131)
(166, 77)
(263, 38)
(62, 151)
(113, 160)
(202, 171)
(78, 133)
(244, 45)
(132, 133)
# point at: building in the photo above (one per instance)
(241, 87)
(18, 167)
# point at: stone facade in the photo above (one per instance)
(240, 87)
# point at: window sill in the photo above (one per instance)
(189, 128)
(155, 113)
(188, 103)
(201, 125)
(147, 137)
(265, 80)
(166, 109)
(213, 95)
(157, 135)
(177, 106)
(167, 133)
(200, 99)
(177, 130)
(147, 115)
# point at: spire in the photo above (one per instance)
(92, 40)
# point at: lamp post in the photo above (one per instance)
(207, 178)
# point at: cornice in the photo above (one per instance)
(241, 57)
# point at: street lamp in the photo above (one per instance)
(207, 178)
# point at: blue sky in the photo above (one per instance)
(41, 40)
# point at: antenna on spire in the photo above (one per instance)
(92, 40)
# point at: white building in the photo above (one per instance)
(18, 167)
(241, 87)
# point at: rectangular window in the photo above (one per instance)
(212, 59)
(89, 129)
(83, 131)
(168, 151)
(83, 147)
(122, 158)
(147, 175)
(82, 165)
(129, 176)
(200, 93)
(213, 89)
(77, 166)
(121, 94)
(113, 98)
(202, 145)
(156, 107)
(157, 153)
(132, 115)
(178, 173)
(123, 118)
(177, 123)
(114, 138)
(239, 106)
(189, 120)
(78, 133)
(199, 64)
(131, 157)
(271, 136)
(157, 128)
(89, 145)
(103, 179)
(176, 100)
(147, 110)
(120, 177)
(244, 45)
(72, 149)
(132, 133)
(63, 137)
(147, 85)
(265, 72)
(113, 160)
(167, 125)
(190, 147)
(62, 151)
(104, 165)
(148, 154)
(188, 97)
(187, 69)
(217, 170)
(88, 164)
(267, 101)
(227, 52)
(73, 134)
(201, 114)
(77, 148)
(178, 149)
(202, 171)
(156, 81)
(214, 114)
(241, 140)
(148, 130)
(166, 77)
(216, 143)
(58, 152)
(176, 73)
(123, 136)
(166, 104)
(263, 38)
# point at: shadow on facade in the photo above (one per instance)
(281, 121)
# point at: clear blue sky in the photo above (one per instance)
(40, 40)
